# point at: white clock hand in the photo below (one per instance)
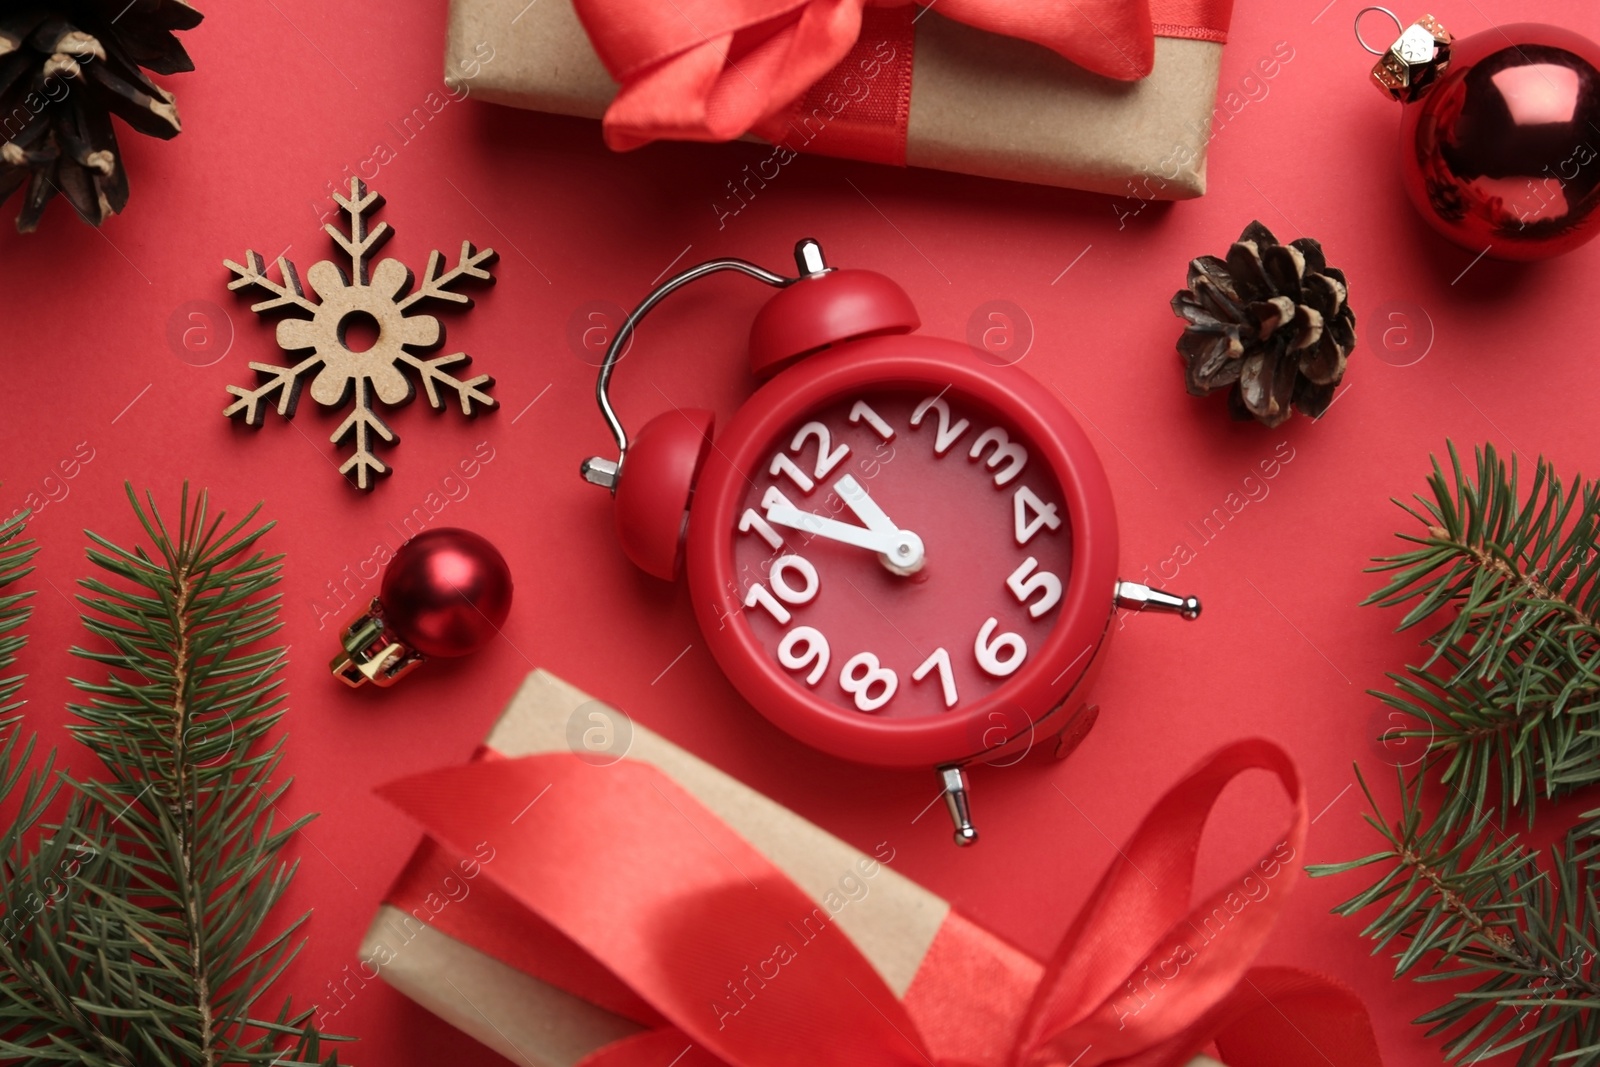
(900, 550)
(856, 498)
(781, 513)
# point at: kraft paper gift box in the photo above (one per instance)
(980, 103)
(894, 923)
(537, 998)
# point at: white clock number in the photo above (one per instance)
(758, 594)
(860, 674)
(989, 652)
(826, 460)
(947, 678)
(862, 412)
(1044, 515)
(1024, 587)
(752, 520)
(774, 499)
(816, 651)
(1005, 451)
(780, 584)
(946, 435)
(782, 464)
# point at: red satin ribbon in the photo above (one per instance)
(713, 70)
(651, 906)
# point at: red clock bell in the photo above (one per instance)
(898, 553)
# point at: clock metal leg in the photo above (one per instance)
(958, 804)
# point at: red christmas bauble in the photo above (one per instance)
(1503, 151)
(446, 592)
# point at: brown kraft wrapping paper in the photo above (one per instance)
(981, 103)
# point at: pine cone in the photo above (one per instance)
(66, 66)
(1273, 322)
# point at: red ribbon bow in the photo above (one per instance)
(713, 70)
(670, 900)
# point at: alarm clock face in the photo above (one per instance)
(888, 552)
(900, 551)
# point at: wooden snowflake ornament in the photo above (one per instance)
(319, 327)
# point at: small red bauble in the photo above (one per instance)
(1500, 135)
(446, 593)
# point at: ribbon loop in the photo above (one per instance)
(714, 70)
(1138, 938)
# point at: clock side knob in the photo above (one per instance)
(823, 307)
(653, 485)
(1138, 597)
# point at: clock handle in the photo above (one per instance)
(665, 456)
(1138, 597)
(957, 802)
(606, 473)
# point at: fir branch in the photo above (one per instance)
(16, 555)
(156, 946)
(16, 753)
(1506, 699)
(1520, 574)
(1477, 904)
(32, 1005)
(1510, 688)
(1515, 737)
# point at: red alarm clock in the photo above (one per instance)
(898, 552)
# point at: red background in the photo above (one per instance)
(290, 93)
